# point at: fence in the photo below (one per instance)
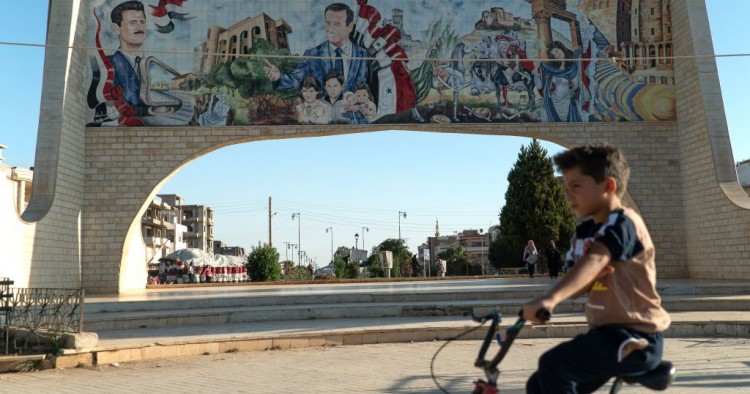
(58, 310)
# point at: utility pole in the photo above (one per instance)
(400, 215)
(299, 239)
(270, 239)
(331, 230)
(363, 236)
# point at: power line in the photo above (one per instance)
(614, 59)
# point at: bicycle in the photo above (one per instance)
(657, 379)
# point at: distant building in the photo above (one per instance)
(18, 237)
(743, 175)
(199, 220)
(221, 248)
(194, 223)
(475, 244)
(21, 180)
(225, 44)
(158, 229)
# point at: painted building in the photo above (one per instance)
(226, 44)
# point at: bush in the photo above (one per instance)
(263, 264)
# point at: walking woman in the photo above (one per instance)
(553, 259)
(530, 256)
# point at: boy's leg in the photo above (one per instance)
(585, 363)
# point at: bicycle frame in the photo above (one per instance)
(490, 366)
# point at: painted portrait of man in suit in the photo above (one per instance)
(129, 23)
(338, 53)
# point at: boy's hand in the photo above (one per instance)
(530, 310)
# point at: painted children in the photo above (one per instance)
(312, 110)
(334, 88)
(352, 113)
(365, 101)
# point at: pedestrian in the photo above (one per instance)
(191, 273)
(209, 274)
(553, 259)
(615, 265)
(530, 256)
(310, 271)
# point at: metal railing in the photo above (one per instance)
(57, 310)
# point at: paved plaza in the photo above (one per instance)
(704, 365)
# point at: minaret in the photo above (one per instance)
(437, 228)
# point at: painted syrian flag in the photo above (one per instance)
(396, 90)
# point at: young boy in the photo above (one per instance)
(614, 263)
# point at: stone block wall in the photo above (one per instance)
(94, 184)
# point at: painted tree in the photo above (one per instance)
(263, 264)
(535, 208)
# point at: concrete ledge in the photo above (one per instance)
(20, 363)
(360, 336)
(78, 340)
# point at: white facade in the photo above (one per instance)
(17, 239)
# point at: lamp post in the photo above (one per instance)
(481, 256)
(400, 215)
(286, 251)
(356, 241)
(292, 246)
(299, 241)
(363, 236)
(330, 229)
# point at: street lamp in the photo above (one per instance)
(299, 240)
(481, 257)
(292, 246)
(356, 241)
(400, 215)
(363, 236)
(330, 229)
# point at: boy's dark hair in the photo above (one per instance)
(116, 15)
(310, 82)
(598, 161)
(334, 75)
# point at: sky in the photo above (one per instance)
(354, 184)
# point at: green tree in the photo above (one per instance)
(458, 262)
(374, 266)
(342, 266)
(535, 208)
(263, 264)
(401, 256)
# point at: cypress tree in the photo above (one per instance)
(535, 209)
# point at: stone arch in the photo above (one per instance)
(684, 180)
(135, 179)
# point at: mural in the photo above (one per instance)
(243, 62)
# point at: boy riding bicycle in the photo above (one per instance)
(613, 260)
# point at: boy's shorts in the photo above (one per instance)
(586, 362)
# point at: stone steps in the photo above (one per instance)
(177, 322)
(210, 311)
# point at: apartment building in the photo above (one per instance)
(199, 220)
(475, 244)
